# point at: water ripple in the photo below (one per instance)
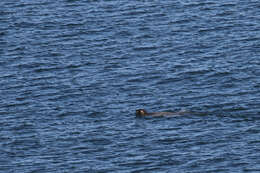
(74, 72)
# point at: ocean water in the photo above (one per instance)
(73, 72)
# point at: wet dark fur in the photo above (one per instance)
(142, 112)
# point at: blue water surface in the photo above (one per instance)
(73, 72)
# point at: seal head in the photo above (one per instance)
(141, 112)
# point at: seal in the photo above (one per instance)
(143, 112)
